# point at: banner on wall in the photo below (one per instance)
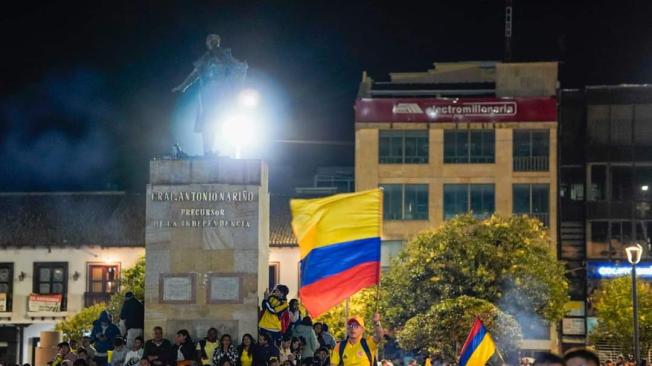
(44, 303)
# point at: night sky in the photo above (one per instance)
(85, 96)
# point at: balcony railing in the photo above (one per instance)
(92, 298)
(531, 164)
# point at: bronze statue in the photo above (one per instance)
(220, 75)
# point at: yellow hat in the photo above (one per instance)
(356, 319)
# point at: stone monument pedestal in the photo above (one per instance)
(206, 243)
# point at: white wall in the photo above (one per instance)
(288, 259)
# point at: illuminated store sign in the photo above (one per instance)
(612, 270)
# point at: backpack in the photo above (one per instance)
(365, 347)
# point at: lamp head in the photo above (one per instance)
(634, 253)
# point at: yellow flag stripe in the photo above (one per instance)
(483, 353)
(336, 219)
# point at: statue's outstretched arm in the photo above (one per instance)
(190, 79)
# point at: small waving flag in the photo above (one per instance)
(479, 347)
(339, 245)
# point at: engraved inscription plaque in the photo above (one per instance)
(224, 288)
(178, 288)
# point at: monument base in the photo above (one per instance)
(206, 245)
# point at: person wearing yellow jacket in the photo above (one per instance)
(273, 306)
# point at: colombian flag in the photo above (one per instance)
(478, 348)
(339, 245)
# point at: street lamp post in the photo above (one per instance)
(634, 253)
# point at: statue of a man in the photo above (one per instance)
(220, 75)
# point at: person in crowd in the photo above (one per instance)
(80, 362)
(287, 363)
(274, 305)
(227, 362)
(285, 350)
(296, 347)
(119, 352)
(89, 349)
(158, 350)
(322, 357)
(145, 362)
(185, 348)
(225, 351)
(206, 347)
(73, 346)
(386, 363)
(103, 335)
(295, 312)
(358, 349)
(310, 344)
(273, 361)
(133, 316)
(63, 357)
(609, 363)
(132, 358)
(264, 350)
(329, 340)
(246, 351)
(548, 359)
(82, 354)
(620, 361)
(581, 357)
(412, 362)
(427, 361)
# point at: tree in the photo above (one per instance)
(445, 326)
(506, 261)
(77, 325)
(133, 279)
(613, 307)
(362, 304)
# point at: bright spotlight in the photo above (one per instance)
(644, 188)
(238, 131)
(248, 98)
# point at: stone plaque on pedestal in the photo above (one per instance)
(206, 245)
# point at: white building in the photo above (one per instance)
(73, 244)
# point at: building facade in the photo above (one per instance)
(462, 137)
(59, 253)
(605, 180)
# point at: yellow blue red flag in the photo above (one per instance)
(479, 346)
(339, 245)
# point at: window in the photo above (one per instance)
(463, 198)
(103, 278)
(598, 183)
(388, 250)
(51, 278)
(405, 201)
(643, 124)
(6, 284)
(607, 239)
(103, 281)
(469, 146)
(531, 200)
(274, 274)
(621, 179)
(403, 147)
(531, 150)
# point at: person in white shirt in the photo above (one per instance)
(134, 356)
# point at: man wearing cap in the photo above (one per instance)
(358, 349)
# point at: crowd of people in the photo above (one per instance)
(285, 338)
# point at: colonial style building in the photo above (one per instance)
(59, 253)
(475, 137)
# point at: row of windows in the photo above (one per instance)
(530, 147)
(52, 278)
(410, 201)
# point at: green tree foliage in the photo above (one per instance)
(445, 326)
(507, 261)
(75, 326)
(361, 304)
(133, 279)
(613, 306)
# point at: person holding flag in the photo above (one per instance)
(479, 347)
(356, 349)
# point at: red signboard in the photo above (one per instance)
(520, 109)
